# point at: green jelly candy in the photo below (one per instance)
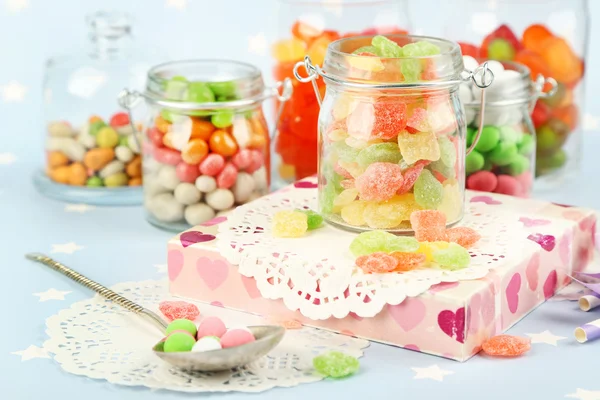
(182, 325)
(222, 119)
(447, 151)
(387, 48)
(345, 152)
(95, 127)
(503, 154)
(421, 48)
(223, 89)
(501, 50)
(335, 364)
(118, 179)
(107, 137)
(442, 168)
(124, 141)
(314, 219)
(179, 342)
(380, 152)
(471, 132)
(175, 88)
(376, 241)
(510, 135)
(519, 165)
(411, 69)
(326, 197)
(490, 135)
(453, 258)
(94, 181)
(166, 115)
(428, 191)
(474, 162)
(527, 145)
(367, 49)
(199, 92)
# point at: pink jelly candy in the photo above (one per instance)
(418, 121)
(506, 346)
(211, 326)
(377, 263)
(256, 163)
(429, 225)
(390, 119)
(411, 174)
(167, 156)
(242, 159)
(236, 337)
(483, 181)
(187, 172)
(508, 185)
(155, 136)
(466, 237)
(408, 261)
(342, 171)
(379, 182)
(347, 183)
(227, 176)
(178, 310)
(212, 164)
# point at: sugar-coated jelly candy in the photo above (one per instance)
(353, 213)
(429, 225)
(288, 50)
(390, 213)
(368, 60)
(428, 191)
(452, 201)
(173, 310)
(462, 235)
(410, 175)
(345, 197)
(376, 263)
(390, 119)
(418, 146)
(345, 152)
(380, 241)
(386, 47)
(408, 261)
(380, 152)
(314, 219)
(506, 346)
(454, 257)
(199, 92)
(335, 364)
(428, 248)
(317, 49)
(289, 224)
(380, 181)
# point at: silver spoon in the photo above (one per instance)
(267, 336)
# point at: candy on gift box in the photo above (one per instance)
(378, 241)
(289, 224)
(506, 346)
(335, 364)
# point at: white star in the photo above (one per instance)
(179, 4)
(14, 92)
(433, 372)
(545, 337)
(257, 44)
(31, 352)
(80, 208)
(7, 158)
(16, 5)
(161, 268)
(67, 248)
(51, 294)
(585, 395)
(590, 122)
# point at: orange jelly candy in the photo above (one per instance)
(162, 124)
(289, 50)
(534, 62)
(408, 261)
(569, 115)
(534, 35)
(317, 50)
(305, 32)
(201, 129)
(506, 346)
(194, 151)
(566, 67)
(223, 143)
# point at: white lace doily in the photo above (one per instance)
(316, 274)
(98, 339)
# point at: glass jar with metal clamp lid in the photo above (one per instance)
(206, 146)
(391, 130)
(503, 160)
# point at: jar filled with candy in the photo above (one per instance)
(307, 27)
(92, 155)
(550, 38)
(391, 130)
(206, 146)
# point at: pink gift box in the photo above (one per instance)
(451, 320)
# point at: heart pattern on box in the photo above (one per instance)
(192, 237)
(212, 272)
(408, 314)
(215, 221)
(306, 185)
(452, 323)
(175, 264)
(547, 242)
(512, 293)
(532, 272)
(486, 200)
(528, 222)
(550, 284)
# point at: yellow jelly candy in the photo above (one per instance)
(353, 168)
(343, 106)
(344, 198)
(428, 248)
(452, 201)
(289, 224)
(366, 63)
(391, 213)
(352, 214)
(418, 146)
(317, 50)
(337, 134)
(288, 50)
(286, 171)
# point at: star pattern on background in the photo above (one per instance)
(590, 122)
(7, 158)
(13, 92)
(257, 44)
(545, 337)
(31, 352)
(79, 208)
(433, 372)
(582, 394)
(16, 6)
(178, 4)
(51, 294)
(67, 248)
(161, 268)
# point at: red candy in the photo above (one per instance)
(466, 237)
(377, 263)
(155, 136)
(429, 225)
(242, 159)
(390, 119)
(541, 114)
(212, 164)
(187, 172)
(380, 181)
(119, 119)
(227, 176)
(408, 261)
(483, 181)
(411, 175)
(257, 162)
(167, 156)
(508, 185)
(506, 346)
(178, 310)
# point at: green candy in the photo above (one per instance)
(175, 88)
(508, 134)
(222, 119)
(453, 258)
(179, 342)
(118, 179)
(345, 152)
(95, 127)
(367, 49)
(501, 50)
(123, 141)
(428, 191)
(490, 135)
(326, 197)
(487, 165)
(547, 164)
(166, 115)
(199, 92)
(411, 69)
(503, 154)
(107, 137)
(314, 219)
(447, 152)
(94, 181)
(421, 48)
(380, 152)
(387, 48)
(335, 364)
(527, 145)
(182, 325)
(547, 140)
(519, 165)
(223, 89)
(474, 162)
(376, 241)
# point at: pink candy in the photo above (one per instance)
(242, 159)
(341, 171)
(212, 164)
(236, 337)
(379, 182)
(167, 156)
(227, 176)
(156, 137)
(417, 121)
(483, 181)
(508, 185)
(186, 172)
(410, 176)
(257, 162)
(211, 326)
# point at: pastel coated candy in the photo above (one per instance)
(379, 241)
(380, 181)
(179, 341)
(418, 146)
(182, 325)
(454, 257)
(335, 364)
(289, 224)
(236, 337)
(428, 191)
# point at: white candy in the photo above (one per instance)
(60, 129)
(206, 184)
(165, 208)
(260, 179)
(123, 153)
(470, 63)
(167, 177)
(243, 187)
(68, 146)
(152, 187)
(224, 212)
(197, 214)
(151, 166)
(207, 343)
(124, 130)
(187, 193)
(112, 168)
(220, 199)
(87, 141)
(133, 144)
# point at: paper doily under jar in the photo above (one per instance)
(100, 340)
(316, 274)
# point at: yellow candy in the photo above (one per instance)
(428, 248)
(391, 213)
(107, 137)
(337, 135)
(118, 179)
(352, 213)
(288, 50)
(286, 171)
(366, 63)
(353, 168)
(343, 106)
(289, 224)
(317, 50)
(344, 198)
(452, 201)
(418, 146)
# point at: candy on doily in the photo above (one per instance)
(427, 249)
(391, 213)
(289, 224)
(181, 325)
(380, 181)
(453, 258)
(211, 326)
(462, 235)
(506, 346)
(380, 241)
(335, 364)
(408, 261)
(377, 263)
(313, 219)
(178, 309)
(429, 225)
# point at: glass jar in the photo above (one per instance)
(549, 37)
(206, 146)
(307, 27)
(391, 131)
(92, 155)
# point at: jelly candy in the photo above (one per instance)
(199, 92)
(454, 257)
(335, 364)
(353, 213)
(317, 49)
(343, 106)
(566, 67)
(353, 168)
(390, 119)
(428, 191)
(418, 146)
(380, 181)
(377, 263)
(288, 50)
(464, 236)
(501, 50)
(411, 69)
(506, 346)
(345, 152)
(534, 36)
(452, 201)
(347, 183)
(173, 310)
(391, 213)
(344, 198)
(314, 220)
(380, 152)
(411, 174)
(447, 162)
(503, 32)
(367, 49)
(418, 121)
(326, 197)
(386, 47)
(428, 248)
(380, 241)
(289, 224)
(408, 261)
(429, 225)
(305, 32)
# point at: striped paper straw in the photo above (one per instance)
(588, 302)
(587, 332)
